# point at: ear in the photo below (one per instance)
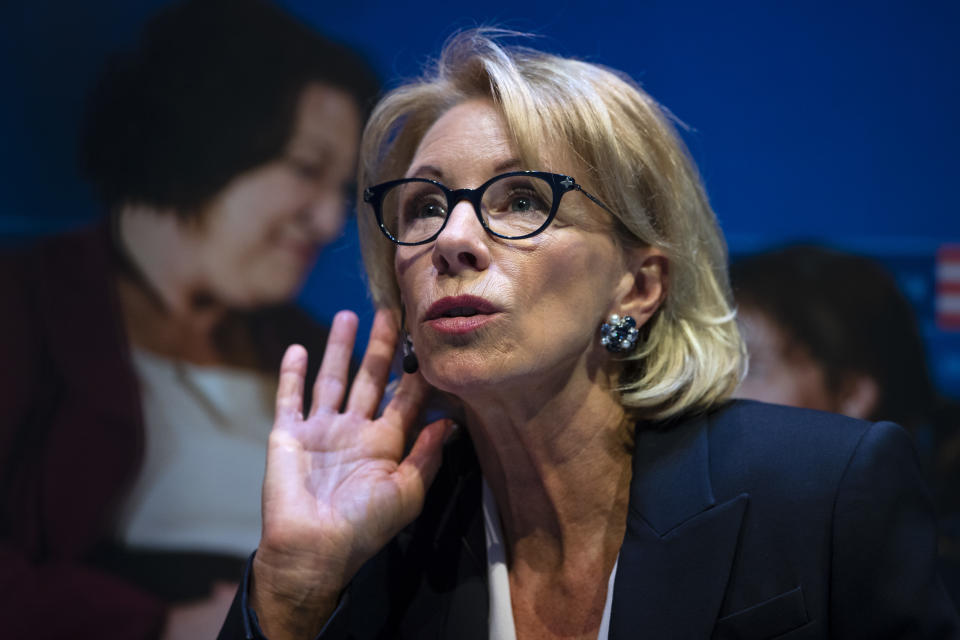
(644, 286)
(859, 396)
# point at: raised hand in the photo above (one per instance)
(337, 486)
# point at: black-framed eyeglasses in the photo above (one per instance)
(513, 206)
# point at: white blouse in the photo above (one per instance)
(501, 612)
(206, 435)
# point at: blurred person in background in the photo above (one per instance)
(832, 331)
(138, 355)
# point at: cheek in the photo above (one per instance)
(245, 253)
(402, 274)
(238, 232)
(770, 388)
(232, 254)
(792, 382)
(414, 274)
(257, 208)
(574, 286)
(811, 389)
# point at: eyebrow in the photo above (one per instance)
(430, 171)
(426, 171)
(316, 147)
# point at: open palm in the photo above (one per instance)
(337, 485)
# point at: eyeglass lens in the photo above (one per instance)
(511, 206)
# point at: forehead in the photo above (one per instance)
(326, 118)
(469, 138)
(472, 141)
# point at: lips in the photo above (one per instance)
(302, 249)
(460, 314)
(460, 306)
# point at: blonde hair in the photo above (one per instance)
(692, 356)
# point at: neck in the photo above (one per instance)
(163, 296)
(560, 475)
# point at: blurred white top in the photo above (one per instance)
(206, 435)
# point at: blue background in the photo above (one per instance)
(828, 122)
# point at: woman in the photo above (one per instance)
(601, 485)
(136, 354)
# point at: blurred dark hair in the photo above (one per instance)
(210, 91)
(850, 315)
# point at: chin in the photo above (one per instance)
(280, 285)
(278, 295)
(265, 296)
(463, 372)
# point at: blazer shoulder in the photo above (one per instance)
(764, 445)
(758, 426)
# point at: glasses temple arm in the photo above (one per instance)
(595, 199)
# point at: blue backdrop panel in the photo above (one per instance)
(818, 121)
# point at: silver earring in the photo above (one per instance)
(619, 335)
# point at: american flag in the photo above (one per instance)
(948, 287)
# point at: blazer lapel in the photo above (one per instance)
(469, 604)
(453, 601)
(679, 545)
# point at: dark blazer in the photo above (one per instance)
(71, 439)
(754, 521)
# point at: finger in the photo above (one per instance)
(368, 385)
(405, 405)
(417, 471)
(283, 485)
(293, 368)
(331, 382)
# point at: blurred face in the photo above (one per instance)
(485, 312)
(781, 370)
(262, 232)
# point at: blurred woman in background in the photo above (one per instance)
(139, 354)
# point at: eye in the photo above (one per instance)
(428, 210)
(423, 204)
(306, 169)
(518, 197)
(525, 203)
(522, 200)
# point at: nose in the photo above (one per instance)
(463, 243)
(326, 214)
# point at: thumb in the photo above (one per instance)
(420, 467)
